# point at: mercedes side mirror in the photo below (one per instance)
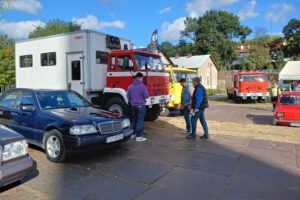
(27, 108)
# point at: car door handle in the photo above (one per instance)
(14, 113)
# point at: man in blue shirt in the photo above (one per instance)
(186, 102)
(199, 104)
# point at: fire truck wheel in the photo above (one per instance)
(117, 105)
(152, 113)
(229, 95)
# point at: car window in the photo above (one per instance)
(60, 99)
(26, 98)
(9, 99)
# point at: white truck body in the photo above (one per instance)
(75, 66)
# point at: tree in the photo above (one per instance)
(7, 61)
(291, 33)
(54, 27)
(214, 32)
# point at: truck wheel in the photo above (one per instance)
(152, 113)
(229, 96)
(236, 98)
(54, 146)
(117, 105)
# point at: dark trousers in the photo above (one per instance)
(274, 101)
(187, 117)
(199, 115)
(137, 119)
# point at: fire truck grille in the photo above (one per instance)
(110, 127)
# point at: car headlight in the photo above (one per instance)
(280, 114)
(14, 150)
(83, 129)
(125, 123)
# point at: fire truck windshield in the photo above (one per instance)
(253, 78)
(145, 62)
(188, 76)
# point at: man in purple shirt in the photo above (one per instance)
(137, 95)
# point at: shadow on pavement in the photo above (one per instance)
(261, 119)
(167, 167)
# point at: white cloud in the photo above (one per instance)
(92, 22)
(171, 31)
(277, 12)
(199, 7)
(249, 11)
(165, 10)
(29, 6)
(20, 30)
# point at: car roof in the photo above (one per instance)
(290, 93)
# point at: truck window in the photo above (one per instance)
(76, 70)
(125, 63)
(26, 98)
(101, 57)
(113, 63)
(48, 59)
(26, 61)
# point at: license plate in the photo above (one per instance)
(114, 138)
(295, 124)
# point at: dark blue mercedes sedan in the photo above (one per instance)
(61, 121)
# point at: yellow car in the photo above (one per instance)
(176, 73)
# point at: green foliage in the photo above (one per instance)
(54, 27)
(292, 35)
(213, 34)
(7, 61)
(182, 49)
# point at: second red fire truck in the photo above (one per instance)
(245, 85)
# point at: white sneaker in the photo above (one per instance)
(187, 132)
(140, 139)
(133, 136)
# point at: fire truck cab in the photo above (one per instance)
(244, 85)
(98, 66)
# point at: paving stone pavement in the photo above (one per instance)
(168, 167)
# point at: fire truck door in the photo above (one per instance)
(75, 80)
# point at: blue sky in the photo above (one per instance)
(136, 19)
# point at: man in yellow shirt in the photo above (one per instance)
(274, 95)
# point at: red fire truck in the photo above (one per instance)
(96, 65)
(245, 85)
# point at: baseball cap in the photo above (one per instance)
(197, 79)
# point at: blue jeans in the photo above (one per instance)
(199, 115)
(187, 117)
(137, 119)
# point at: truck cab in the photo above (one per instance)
(121, 69)
(247, 85)
(175, 89)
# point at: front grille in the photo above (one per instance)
(110, 127)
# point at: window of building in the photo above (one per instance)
(125, 63)
(26, 61)
(48, 59)
(101, 57)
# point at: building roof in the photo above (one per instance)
(191, 62)
(291, 71)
